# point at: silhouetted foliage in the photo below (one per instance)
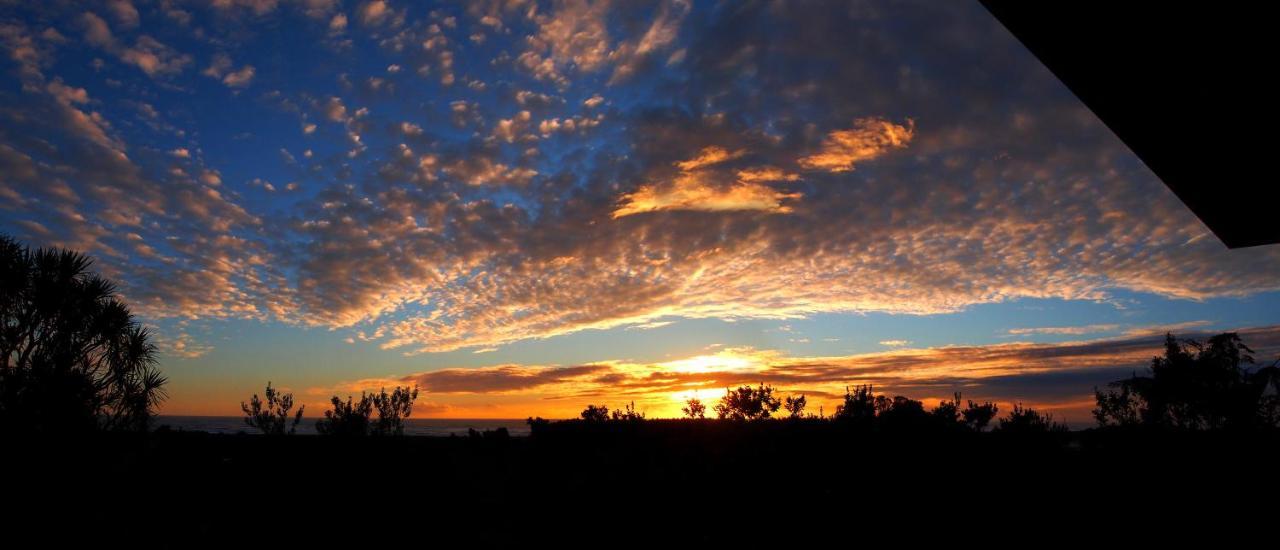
(354, 418)
(947, 413)
(1023, 420)
(859, 405)
(978, 416)
(72, 357)
(492, 435)
(1196, 386)
(393, 409)
(795, 406)
(272, 417)
(747, 403)
(693, 408)
(628, 413)
(901, 413)
(595, 413)
(535, 424)
(347, 419)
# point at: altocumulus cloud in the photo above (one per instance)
(744, 161)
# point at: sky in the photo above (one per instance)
(525, 207)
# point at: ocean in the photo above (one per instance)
(441, 427)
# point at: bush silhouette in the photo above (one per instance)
(595, 413)
(354, 418)
(976, 416)
(72, 357)
(1196, 386)
(272, 416)
(948, 415)
(693, 408)
(795, 406)
(628, 413)
(859, 405)
(393, 409)
(747, 403)
(347, 419)
(1025, 420)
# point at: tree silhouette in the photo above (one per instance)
(393, 409)
(272, 416)
(1196, 386)
(595, 413)
(978, 416)
(747, 403)
(693, 408)
(795, 406)
(72, 356)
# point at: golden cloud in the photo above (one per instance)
(868, 139)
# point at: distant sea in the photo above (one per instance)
(442, 427)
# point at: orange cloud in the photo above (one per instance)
(868, 139)
(697, 187)
(708, 157)
(691, 192)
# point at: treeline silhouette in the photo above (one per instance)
(860, 408)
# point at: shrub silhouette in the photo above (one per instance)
(795, 406)
(859, 405)
(595, 413)
(628, 413)
(272, 416)
(1195, 386)
(72, 357)
(901, 413)
(747, 403)
(354, 418)
(393, 409)
(976, 416)
(1025, 420)
(693, 408)
(347, 419)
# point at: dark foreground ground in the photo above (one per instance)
(657, 483)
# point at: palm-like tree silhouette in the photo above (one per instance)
(72, 356)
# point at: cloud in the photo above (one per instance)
(375, 12)
(504, 378)
(631, 56)
(869, 138)
(573, 35)
(147, 54)
(1073, 330)
(691, 192)
(221, 69)
(124, 12)
(768, 174)
(709, 156)
(895, 343)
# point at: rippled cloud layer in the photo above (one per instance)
(435, 178)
